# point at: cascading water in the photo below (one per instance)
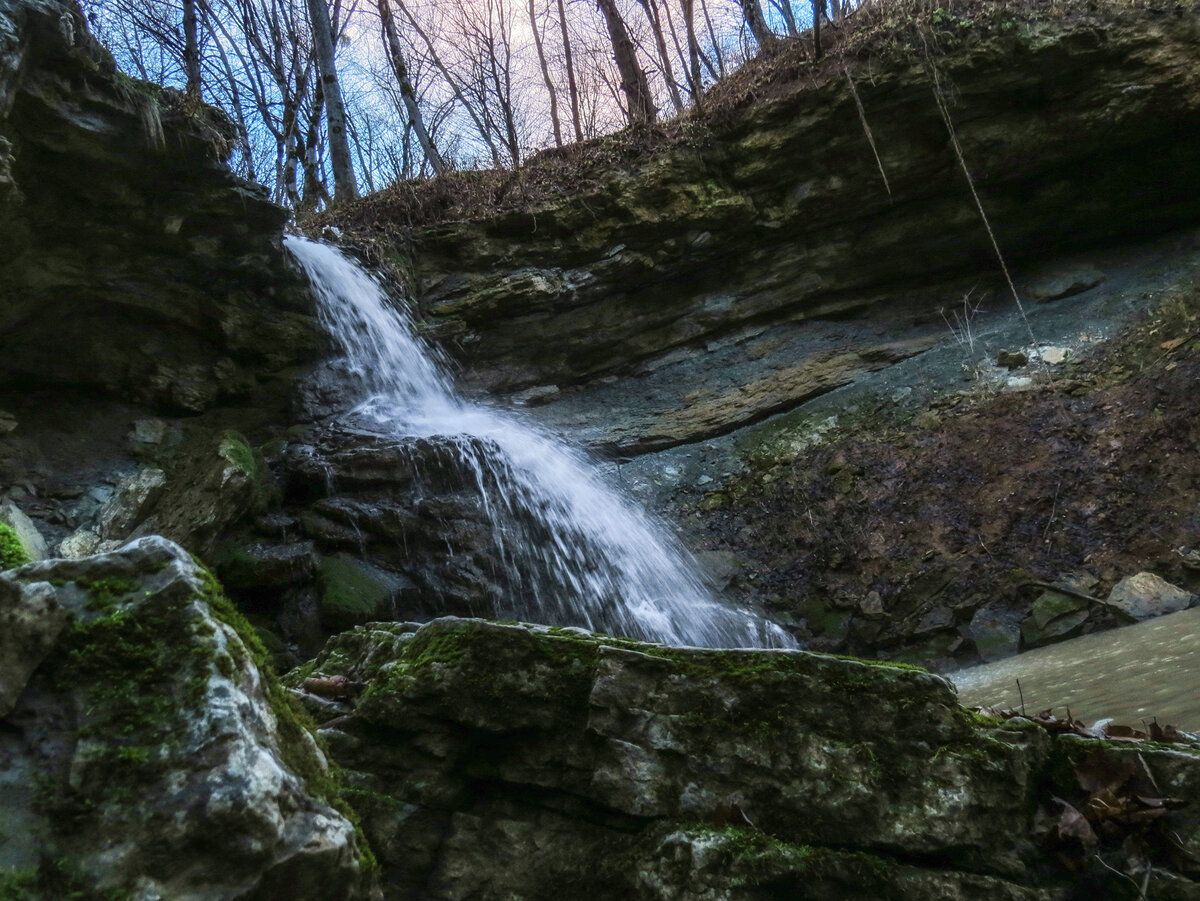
(580, 553)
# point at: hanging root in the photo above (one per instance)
(862, 117)
(940, 97)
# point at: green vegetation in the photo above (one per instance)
(12, 552)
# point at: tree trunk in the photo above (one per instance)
(191, 49)
(344, 186)
(315, 193)
(633, 78)
(765, 37)
(396, 54)
(816, 6)
(572, 87)
(668, 70)
(712, 37)
(541, 53)
(695, 77)
(789, 17)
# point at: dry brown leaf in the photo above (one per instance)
(332, 687)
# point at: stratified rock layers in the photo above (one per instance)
(126, 237)
(1079, 130)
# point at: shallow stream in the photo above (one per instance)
(1132, 674)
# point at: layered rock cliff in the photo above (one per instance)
(764, 223)
(127, 239)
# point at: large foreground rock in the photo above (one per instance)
(148, 756)
(496, 761)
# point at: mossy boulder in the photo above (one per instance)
(153, 754)
(540, 753)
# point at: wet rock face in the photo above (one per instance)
(147, 753)
(399, 528)
(126, 236)
(498, 761)
(1078, 131)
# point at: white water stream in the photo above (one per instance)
(582, 554)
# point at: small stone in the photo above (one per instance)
(1053, 355)
(1146, 595)
(132, 502)
(934, 621)
(996, 633)
(1190, 557)
(1011, 359)
(8, 422)
(1055, 616)
(148, 431)
(531, 397)
(82, 543)
(1066, 283)
(872, 604)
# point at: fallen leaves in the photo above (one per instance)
(1104, 729)
(1121, 822)
(1114, 818)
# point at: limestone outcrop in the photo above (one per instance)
(510, 761)
(1079, 130)
(146, 752)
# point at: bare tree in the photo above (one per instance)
(344, 184)
(816, 8)
(695, 78)
(191, 49)
(640, 106)
(757, 22)
(400, 69)
(664, 55)
(453, 83)
(572, 85)
(541, 54)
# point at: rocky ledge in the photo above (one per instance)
(767, 227)
(127, 238)
(495, 761)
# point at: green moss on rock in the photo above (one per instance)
(350, 593)
(12, 552)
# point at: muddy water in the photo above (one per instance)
(1131, 674)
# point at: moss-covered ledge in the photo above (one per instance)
(467, 741)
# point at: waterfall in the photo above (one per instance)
(581, 553)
